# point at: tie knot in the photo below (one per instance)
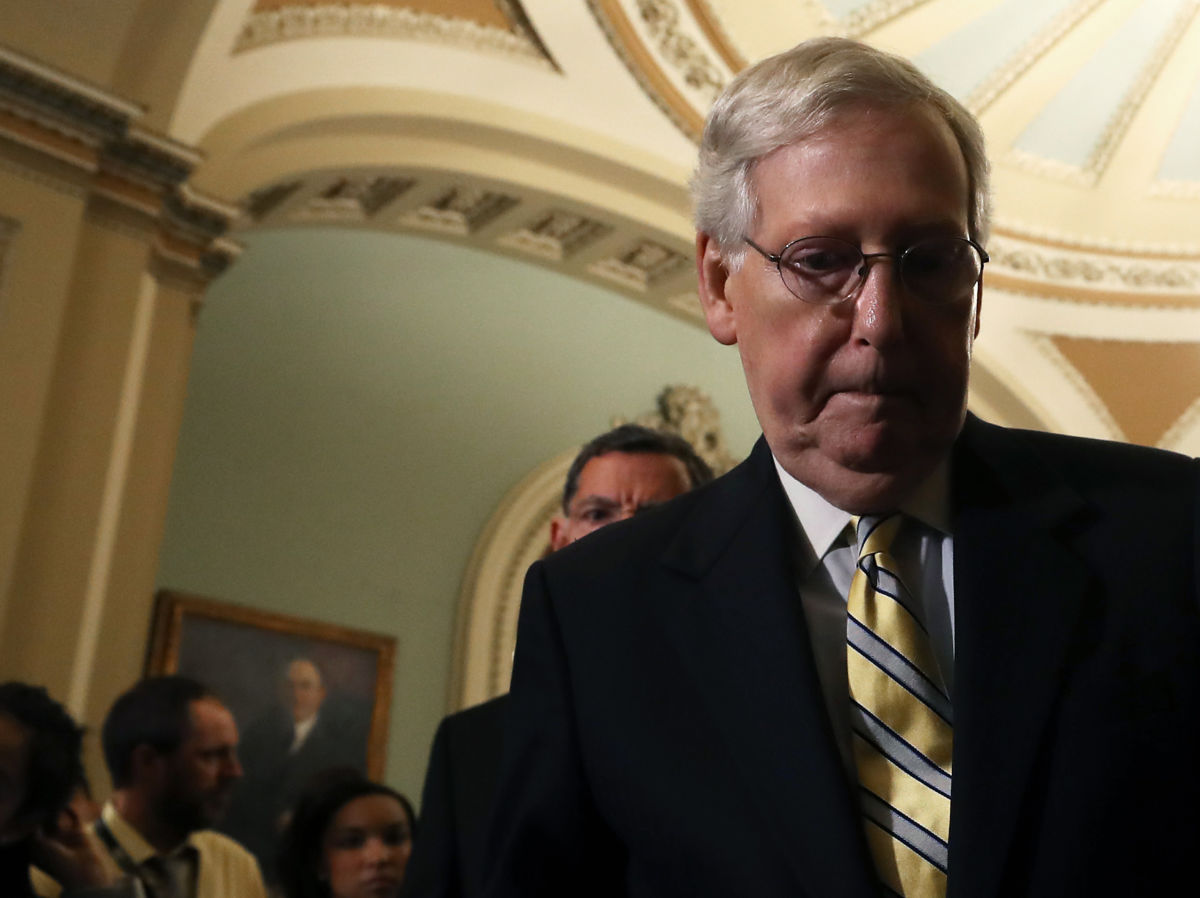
(875, 533)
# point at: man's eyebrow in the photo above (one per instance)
(595, 501)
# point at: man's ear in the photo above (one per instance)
(557, 532)
(713, 277)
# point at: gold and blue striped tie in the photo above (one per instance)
(901, 720)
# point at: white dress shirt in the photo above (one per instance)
(827, 555)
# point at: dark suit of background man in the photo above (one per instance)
(678, 719)
(616, 475)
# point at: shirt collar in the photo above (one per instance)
(138, 849)
(824, 523)
(301, 730)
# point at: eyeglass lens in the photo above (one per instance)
(826, 270)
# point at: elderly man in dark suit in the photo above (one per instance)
(898, 650)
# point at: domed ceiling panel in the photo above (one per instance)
(1083, 122)
(1005, 40)
(1145, 406)
(1181, 161)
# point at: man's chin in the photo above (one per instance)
(869, 478)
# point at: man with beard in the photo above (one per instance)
(171, 749)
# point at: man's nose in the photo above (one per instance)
(233, 767)
(879, 302)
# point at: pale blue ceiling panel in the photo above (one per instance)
(1071, 125)
(1181, 162)
(963, 60)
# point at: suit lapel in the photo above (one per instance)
(743, 635)
(1018, 593)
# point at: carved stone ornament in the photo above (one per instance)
(557, 235)
(461, 210)
(353, 199)
(641, 265)
(95, 132)
(379, 20)
(1109, 272)
(685, 55)
(689, 412)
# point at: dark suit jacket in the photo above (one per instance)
(464, 767)
(667, 734)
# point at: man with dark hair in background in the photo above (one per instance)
(621, 472)
(615, 476)
(171, 750)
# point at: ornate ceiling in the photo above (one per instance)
(562, 132)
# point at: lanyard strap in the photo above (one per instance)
(118, 852)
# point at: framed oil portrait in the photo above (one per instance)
(306, 695)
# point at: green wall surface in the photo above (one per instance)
(359, 403)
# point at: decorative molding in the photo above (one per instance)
(506, 218)
(556, 235)
(661, 19)
(689, 412)
(1043, 313)
(354, 199)
(717, 35)
(1050, 169)
(640, 266)
(516, 535)
(265, 27)
(1063, 266)
(264, 201)
(62, 103)
(871, 16)
(1021, 230)
(626, 42)
(1176, 190)
(461, 211)
(96, 133)
(999, 80)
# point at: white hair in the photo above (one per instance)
(789, 97)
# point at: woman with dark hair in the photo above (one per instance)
(348, 837)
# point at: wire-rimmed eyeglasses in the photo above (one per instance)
(827, 270)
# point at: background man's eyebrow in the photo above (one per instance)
(598, 502)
